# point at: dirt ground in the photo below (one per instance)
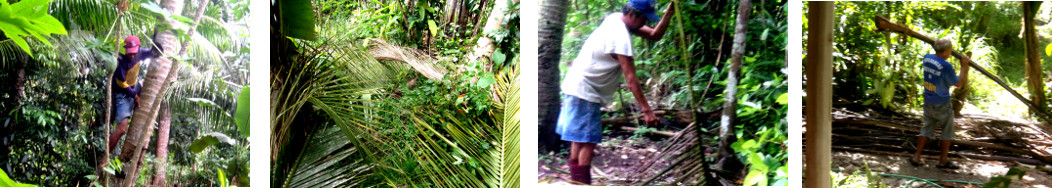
(979, 171)
(617, 158)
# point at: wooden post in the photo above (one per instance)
(819, 94)
(1033, 71)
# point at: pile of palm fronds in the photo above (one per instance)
(335, 123)
(688, 162)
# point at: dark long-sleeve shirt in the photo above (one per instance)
(125, 77)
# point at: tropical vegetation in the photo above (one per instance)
(394, 93)
(56, 58)
(690, 70)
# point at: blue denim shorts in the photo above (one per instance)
(122, 107)
(938, 115)
(580, 120)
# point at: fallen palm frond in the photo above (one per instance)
(330, 161)
(331, 82)
(687, 166)
(419, 60)
(984, 137)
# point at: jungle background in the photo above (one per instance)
(685, 77)
(877, 99)
(394, 93)
(56, 58)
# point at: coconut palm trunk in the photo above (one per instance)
(550, 39)
(158, 78)
(161, 152)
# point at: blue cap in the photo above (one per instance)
(646, 7)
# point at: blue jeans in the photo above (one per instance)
(580, 121)
(123, 104)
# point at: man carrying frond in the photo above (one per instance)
(938, 111)
(595, 75)
(125, 85)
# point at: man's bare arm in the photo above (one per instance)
(658, 31)
(628, 68)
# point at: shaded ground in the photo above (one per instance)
(617, 157)
(984, 146)
(979, 171)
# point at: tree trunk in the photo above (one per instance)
(161, 151)
(730, 100)
(105, 159)
(158, 78)
(484, 45)
(1033, 57)
(550, 39)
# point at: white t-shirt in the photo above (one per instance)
(595, 75)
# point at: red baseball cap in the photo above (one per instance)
(131, 45)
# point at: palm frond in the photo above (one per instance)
(688, 166)
(216, 32)
(10, 53)
(423, 63)
(99, 17)
(508, 89)
(204, 52)
(334, 79)
(329, 161)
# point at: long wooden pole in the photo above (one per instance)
(819, 94)
(884, 25)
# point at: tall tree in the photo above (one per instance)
(158, 78)
(730, 100)
(550, 37)
(1033, 56)
(161, 150)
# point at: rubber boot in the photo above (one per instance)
(581, 174)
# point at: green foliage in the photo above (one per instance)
(28, 18)
(114, 167)
(242, 113)
(7, 182)
(641, 131)
(380, 124)
(1014, 174)
(47, 135)
(297, 18)
(882, 70)
(222, 178)
(58, 121)
(698, 79)
(210, 139)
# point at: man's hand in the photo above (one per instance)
(655, 33)
(963, 76)
(136, 101)
(649, 118)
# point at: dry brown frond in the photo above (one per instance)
(419, 60)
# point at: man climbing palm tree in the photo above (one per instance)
(125, 85)
(938, 77)
(595, 75)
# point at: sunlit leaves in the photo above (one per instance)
(242, 113)
(7, 182)
(296, 18)
(28, 18)
(210, 139)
